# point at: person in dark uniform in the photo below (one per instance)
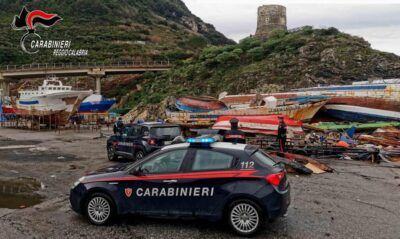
(235, 135)
(118, 126)
(282, 130)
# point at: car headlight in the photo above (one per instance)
(78, 182)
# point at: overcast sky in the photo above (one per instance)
(376, 21)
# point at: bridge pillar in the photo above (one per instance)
(97, 74)
(5, 86)
(98, 84)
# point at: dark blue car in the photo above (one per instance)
(214, 181)
(139, 140)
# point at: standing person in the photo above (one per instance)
(282, 130)
(119, 126)
(235, 135)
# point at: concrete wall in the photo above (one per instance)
(270, 17)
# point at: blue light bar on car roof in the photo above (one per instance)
(200, 140)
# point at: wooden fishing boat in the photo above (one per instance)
(363, 109)
(362, 101)
(265, 124)
(199, 104)
(302, 112)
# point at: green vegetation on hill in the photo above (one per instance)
(111, 30)
(300, 58)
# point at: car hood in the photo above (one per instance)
(110, 172)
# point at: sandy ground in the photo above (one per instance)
(359, 200)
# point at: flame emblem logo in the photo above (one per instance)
(29, 21)
(128, 192)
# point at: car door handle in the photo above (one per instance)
(170, 181)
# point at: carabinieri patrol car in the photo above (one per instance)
(200, 179)
(139, 140)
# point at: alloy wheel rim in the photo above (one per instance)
(99, 209)
(244, 218)
(110, 152)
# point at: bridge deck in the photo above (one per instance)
(96, 70)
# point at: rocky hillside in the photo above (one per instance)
(301, 58)
(111, 30)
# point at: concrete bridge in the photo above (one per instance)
(97, 71)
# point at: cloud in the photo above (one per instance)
(376, 21)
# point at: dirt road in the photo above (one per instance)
(359, 200)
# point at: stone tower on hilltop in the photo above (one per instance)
(270, 17)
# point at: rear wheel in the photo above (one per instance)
(245, 217)
(100, 209)
(111, 153)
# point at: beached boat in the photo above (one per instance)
(199, 104)
(6, 107)
(303, 112)
(249, 100)
(322, 126)
(361, 101)
(96, 104)
(280, 99)
(266, 124)
(363, 109)
(51, 100)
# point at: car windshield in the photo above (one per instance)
(127, 130)
(165, 131)
(264, 158)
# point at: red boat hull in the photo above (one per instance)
(8, 109)
(267, 124)
(201, 103)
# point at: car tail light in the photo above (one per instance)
(151, 141)
(275, 178)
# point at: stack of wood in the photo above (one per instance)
(388, 140)
(383, 137)
(300, 163)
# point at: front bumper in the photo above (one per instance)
(76, 198)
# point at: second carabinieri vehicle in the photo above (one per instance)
(200, 179)
(139, 140)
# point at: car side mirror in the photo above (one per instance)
(137, 172)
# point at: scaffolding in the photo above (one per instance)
(55, 121)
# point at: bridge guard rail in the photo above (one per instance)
(82, 65)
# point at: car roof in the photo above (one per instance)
(216, 145)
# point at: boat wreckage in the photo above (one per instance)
(363, 101)
(297, 108)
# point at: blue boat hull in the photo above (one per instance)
(96, 107)
(182, 107)
(357, 117)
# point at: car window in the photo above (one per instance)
(144, 131)
(169, 162)
(165, 131)
(263, 158)
(126, 131)
(211, 160)
(133, 131)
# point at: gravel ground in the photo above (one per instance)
(359, 200)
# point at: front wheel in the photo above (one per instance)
(100, 209)
(245, 217)
(111, 153)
